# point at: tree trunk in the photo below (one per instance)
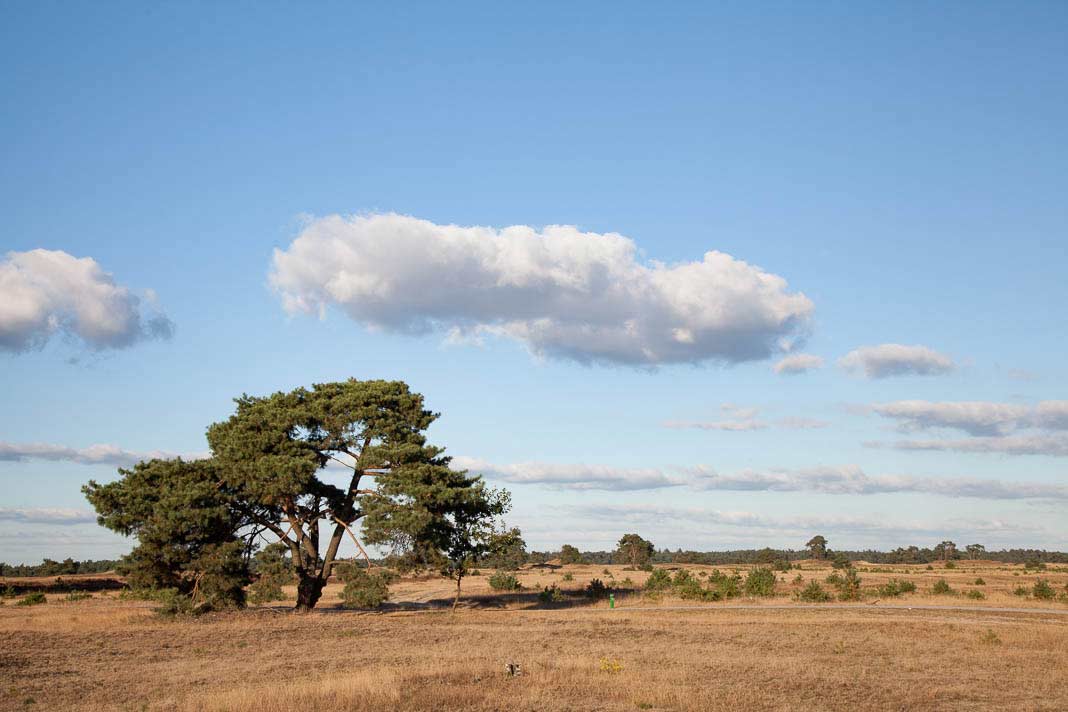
(309, 589)
(456, 601)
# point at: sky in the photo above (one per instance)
(728, 275)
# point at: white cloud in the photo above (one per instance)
(93, 455)
(562, 292)
(43, 292)
(46, 515)
(974, 417)
(1055, 445)
(888, 360)
(837, 480)
(798, 363)
(571, 477)
(742, 419)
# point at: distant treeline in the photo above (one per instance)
(67, 567)
(909, 555)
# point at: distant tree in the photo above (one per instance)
(507, 550)
(570, 555)
(264, 476)
(766, 555)
(817, 546)
(273, 569)
(946, 550)
(634, 550)
(975, 550)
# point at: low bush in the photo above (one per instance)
(1043, 590)
(596, 589)
(813, 593)
(364, 587)
(849, 588)
(941, 588)
(841, 561)
(760, 582)
(1022, 591)
(896, 587)
(659, 580)
(550, 594)
(32, 599)
(975, 594)
(568, 577)
(980, 582)
(78, 596)
(951, 565)
(504, 581)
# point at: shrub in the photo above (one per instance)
(273, 570)
(627, 583)
(504, 581)
(475, 572)
(78, 596)
(896, 587)
(646, 567)
(980, 582)
(568, 577)
(595, 589)
(849, 589)
(975, 594)
(1021, 591)
(941, 588)
(760, 582)
(990, 638)
(1034, 564)
(930, 568)
(606, 572)
(1042, 590)
(813, 593)
(7, 591)
(841, 561)
(798, 580)
(781, 565)
(951, 565)
(32, 599)
(659, 580)
(725, 585)
(550, 594)
(365, 588)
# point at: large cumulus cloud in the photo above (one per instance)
(560, 291)
(44, 292)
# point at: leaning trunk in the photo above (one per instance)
(309, 590)
(456, 601)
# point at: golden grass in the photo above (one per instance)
(114, 654)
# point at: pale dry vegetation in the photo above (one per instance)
(107, 652)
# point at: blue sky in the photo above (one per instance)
(901, 166)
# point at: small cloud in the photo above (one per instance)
(46, 515)
(888, 360)
(101, 454)
(797, 363)
(47, 292)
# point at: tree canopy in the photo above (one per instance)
(306, 466)
(634, 550)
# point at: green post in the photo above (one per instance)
(611, 600)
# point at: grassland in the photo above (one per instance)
(1001, 652)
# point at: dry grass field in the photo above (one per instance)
(1002, 652)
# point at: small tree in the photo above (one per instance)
(634, 550)
(273, 570)
(946, 550)
(975, 551)
(507, 550)
(364, 587)
(570, 555)
(817, 546)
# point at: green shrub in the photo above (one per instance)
(975, 594)
(849, 589)
(364, 588)
(990, 637)
(835, 579)
(760, 582)
(1034, 565)
(951, 565)
(627, 583)
(78, 596)
(980, 582)
(504, 581)
(1022, 591)
(941, 588)
(568, 577)
(813, 593)
(841, 561)
(798, 580)
(896, 587)
(32, 599)
(595, 589)
(7, 591)
(550, 594)
(781, 565)
(646, 567)
(1042, 590)
(659, 580)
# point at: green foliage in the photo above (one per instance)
(813, 593)
(951, 565)
(760, 582)
(817, 546)
(990, 638)
(596, 589)
(567, 577)
(32, 599)
(1042, 590)
(570, 555)
(798, 580)
(849, 588)
(504, 581)
(506, 549)
(78, 596)
(896, 587)
(364, 588)
(942, 588)
(659, 580)
(274, 570)
(1021, 591)
(781, 565)
(975, 594)
(980, 582)
(633, 550)
(724, 585)
(841, 561)
(550, 594)
(1033, 564)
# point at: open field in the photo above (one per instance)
(107, 652)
